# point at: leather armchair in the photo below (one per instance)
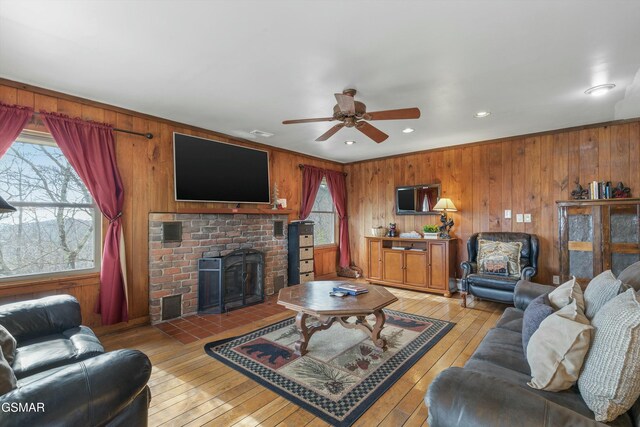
(61, 365)
(494, 287)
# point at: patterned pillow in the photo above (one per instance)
(490, 249)
(537, 310)
(7, 344)
(7, 377)
(600, 290)
(610, 380)
(498, 265)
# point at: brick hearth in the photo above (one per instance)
(173, 266)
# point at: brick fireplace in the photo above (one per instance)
(173, 258)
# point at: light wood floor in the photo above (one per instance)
(189, 388)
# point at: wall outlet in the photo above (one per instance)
(527, 217)
(556, 280)
(507, 214)
(519, 218)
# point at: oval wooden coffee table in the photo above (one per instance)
(313, 299)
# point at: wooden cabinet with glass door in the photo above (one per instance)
(598, 235)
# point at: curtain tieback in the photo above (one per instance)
(115, 218)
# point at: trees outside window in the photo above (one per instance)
(323, 214)
(56, 225)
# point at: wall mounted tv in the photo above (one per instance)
(212, 171)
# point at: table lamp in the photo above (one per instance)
(445, 205)
(5, 207)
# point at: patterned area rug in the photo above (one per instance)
(342, 374)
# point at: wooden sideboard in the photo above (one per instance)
(424, 265)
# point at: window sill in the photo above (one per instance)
(44, 284)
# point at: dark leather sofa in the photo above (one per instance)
(62, 365)
(492, 287)
(491, 389)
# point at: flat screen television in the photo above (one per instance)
(417, 199)
(212, 171)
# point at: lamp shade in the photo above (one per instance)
(5, 207)
(445, 204)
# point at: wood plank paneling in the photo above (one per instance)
(146, 167)
(521, 174)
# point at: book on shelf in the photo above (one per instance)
(399, 248)
(350, 289)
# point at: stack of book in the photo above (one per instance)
(600, 190)
(351, 289)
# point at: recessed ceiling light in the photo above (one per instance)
(407, 130)
(349, 142)
(482, 114)
(261, 133)
(600, 89)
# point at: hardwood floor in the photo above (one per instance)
(189, 388)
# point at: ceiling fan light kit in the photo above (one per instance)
(353, 114)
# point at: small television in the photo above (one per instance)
(213, 171)
(417, 199)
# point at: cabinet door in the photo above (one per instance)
(393, 269)
(580, 243)
(437, 268)
(415, 268)
(375, 259)
(621, 237)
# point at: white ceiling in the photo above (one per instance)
(234, 66)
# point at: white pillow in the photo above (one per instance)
(556, 351)
(610, 380)
(565, 293)
(600, 290)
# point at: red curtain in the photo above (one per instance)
(338, 189)
(13, 119)
(90, 149)
(311, 178)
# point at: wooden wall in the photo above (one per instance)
(525, 175)
(146, 167)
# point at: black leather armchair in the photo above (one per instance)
(493, 287)
(63, 370)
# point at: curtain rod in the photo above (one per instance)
(147, 135)
(301, 166)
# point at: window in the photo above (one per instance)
(324, 215)
(55, 227)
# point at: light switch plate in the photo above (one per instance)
(527, 217)
(519, 218)
(507, 214)
(556, 280)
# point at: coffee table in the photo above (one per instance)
(313, 299)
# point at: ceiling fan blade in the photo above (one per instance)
(320, 119)
(346, 103)
(372, 132)
(328, 134)
(403, 113)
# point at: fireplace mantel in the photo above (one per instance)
(248, 211)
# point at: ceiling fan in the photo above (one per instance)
(353, 113)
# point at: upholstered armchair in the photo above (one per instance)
(495, 287)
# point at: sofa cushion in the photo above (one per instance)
(503, 348)
(600, 290)
(557, 349)
(7, 345)
(504, 283)
(610, 380)
(488, 249)
(7, 377)
(511, 320)
(538, 310)
(50, 351)
(564, 294)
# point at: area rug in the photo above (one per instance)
(342, 374)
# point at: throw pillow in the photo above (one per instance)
(489, 248)
(537, 310)
(565, 293)
(600, 290)
(630, 276)
(8, 344)
(557, 349)
(610, 380)
(7, 377)
(498, 265)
